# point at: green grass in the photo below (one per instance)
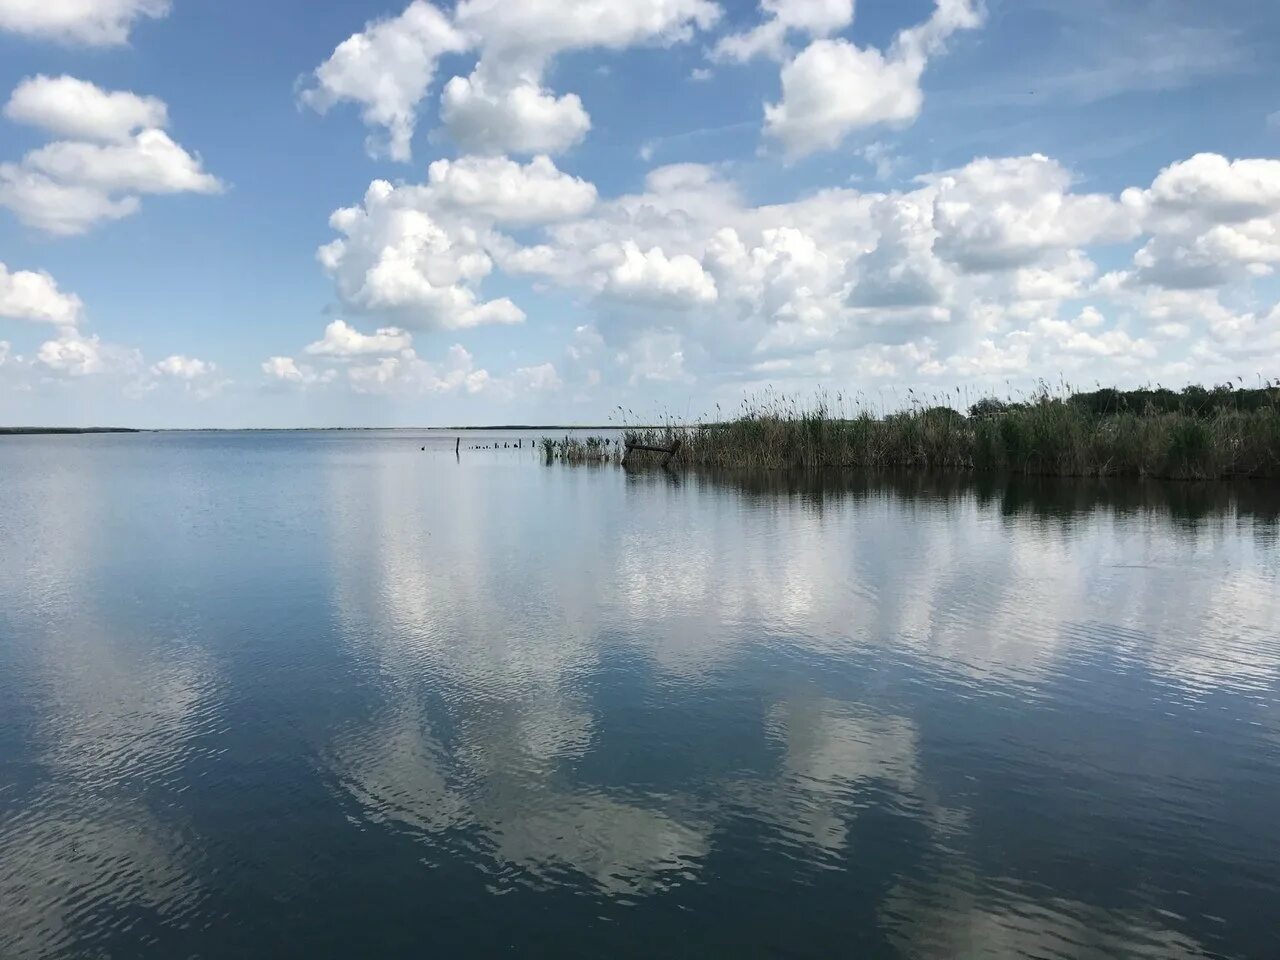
(1195, 434)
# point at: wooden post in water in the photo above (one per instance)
(457, 448)
(669, 451)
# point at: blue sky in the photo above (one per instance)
(558, 207)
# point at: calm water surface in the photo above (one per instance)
(329, 695)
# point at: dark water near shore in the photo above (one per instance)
(327, 695)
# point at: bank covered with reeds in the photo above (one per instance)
(1193, 434)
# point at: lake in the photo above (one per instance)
(333, 695)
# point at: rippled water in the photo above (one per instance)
(330, 695)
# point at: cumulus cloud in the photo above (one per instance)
(386, 363)
(1211, 221)
(834, 87)
(457, 373)
(984, 271)
(1002, 213)
(1078, 336)
(651, 278)
(150, 163)
(654, 356)
(503, 107)
(68, 107)
(395, 257)
(68, 186)
(90, 22)
(419, 253)
(387, 69)
(198, 378)
(1210, 187)
(286, 370)
(533, 31)
(59, 208)
(34, 295)
(543, 377)
(902, 270)
(507, 192)
(74, 355)
(815, 18)
(487, 117)
(343, 340)
(782, 290)
(182, 368)
(978, 272)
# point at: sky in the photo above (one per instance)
(367, 213)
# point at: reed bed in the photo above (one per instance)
(1193, 434)
(580, 450)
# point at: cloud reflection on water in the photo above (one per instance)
(118, 721)
(988, 597)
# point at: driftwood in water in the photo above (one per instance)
(670, 451)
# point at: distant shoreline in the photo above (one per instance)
(47, 431)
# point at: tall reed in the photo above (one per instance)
(1194, 434)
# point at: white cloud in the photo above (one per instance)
(882, 159)
(902, 270)
(834, 87)
(92, 22)
(782, 290)
(542, 377)
(653, 279)
(198, 377)
(503, 107)
(150, 163)
(68, 107)
(34, 295)
(287, 370)
(1002, 213)
(654, 356)
(396, 257)
(74, 355)
(1210, 187)
(526, 118)
(387, 69)
(58, 208)
(533, 31)
(507, 192)
(342, 340)
(815, 18)
(1059, 278)
(183, 368)
(1076, 337)
(985, 271)
(68, 186)
(1211, 220)
(989, 360)
(419, 252)
(410, 373)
